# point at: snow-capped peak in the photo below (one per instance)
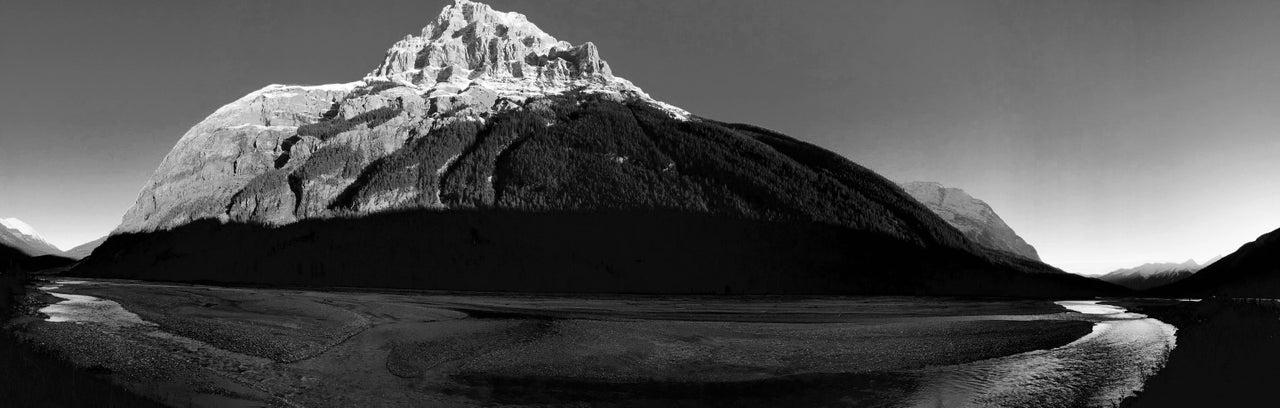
(15, 233)
(21, 227)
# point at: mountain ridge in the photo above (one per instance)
(19, 235)
(1153, 274)
(483, 132)
(1253, 270)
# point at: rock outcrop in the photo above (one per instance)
(971, 216)
(471, 41)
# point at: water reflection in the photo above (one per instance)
(89, 309)
(1097, 370)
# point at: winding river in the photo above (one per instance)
(1097, 370)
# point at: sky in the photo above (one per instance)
(1107, 133)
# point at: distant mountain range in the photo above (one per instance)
(19, 235)
(1152, 275)
(22, 248)
(971, 216)
(1251, 271)
(484, 154)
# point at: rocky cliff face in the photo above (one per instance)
(285, 153)
(971, 216)
(1151, 275)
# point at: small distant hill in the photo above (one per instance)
(84, 250)
(971, 216)
(1251, 271)
(1153, 275)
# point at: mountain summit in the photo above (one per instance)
(971, 216)
(470, 43)
(484, 154)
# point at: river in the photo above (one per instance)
(1098, 370)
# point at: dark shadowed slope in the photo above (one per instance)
(1251, 271)
(13, 260)
(1226, 354)
(610, 198)
(598, 251)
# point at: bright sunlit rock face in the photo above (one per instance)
(471, 45)
(467, 65)
(469, 36)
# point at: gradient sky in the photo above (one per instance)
(1107, 133)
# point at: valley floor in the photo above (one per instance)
(190, 345)
(30, 377)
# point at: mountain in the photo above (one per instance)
(971, 216)
(1251, 271)
(484, 154)
(1211, 261)
(84, 250)
(15, 260)
(11, 259)
(19, 235)
(1152, 275)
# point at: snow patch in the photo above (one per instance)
(22, 227)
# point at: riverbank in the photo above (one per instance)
(308, 348)
(34, 377)
(1228, 354)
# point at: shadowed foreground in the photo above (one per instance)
(599, 252)
(1227, 354)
